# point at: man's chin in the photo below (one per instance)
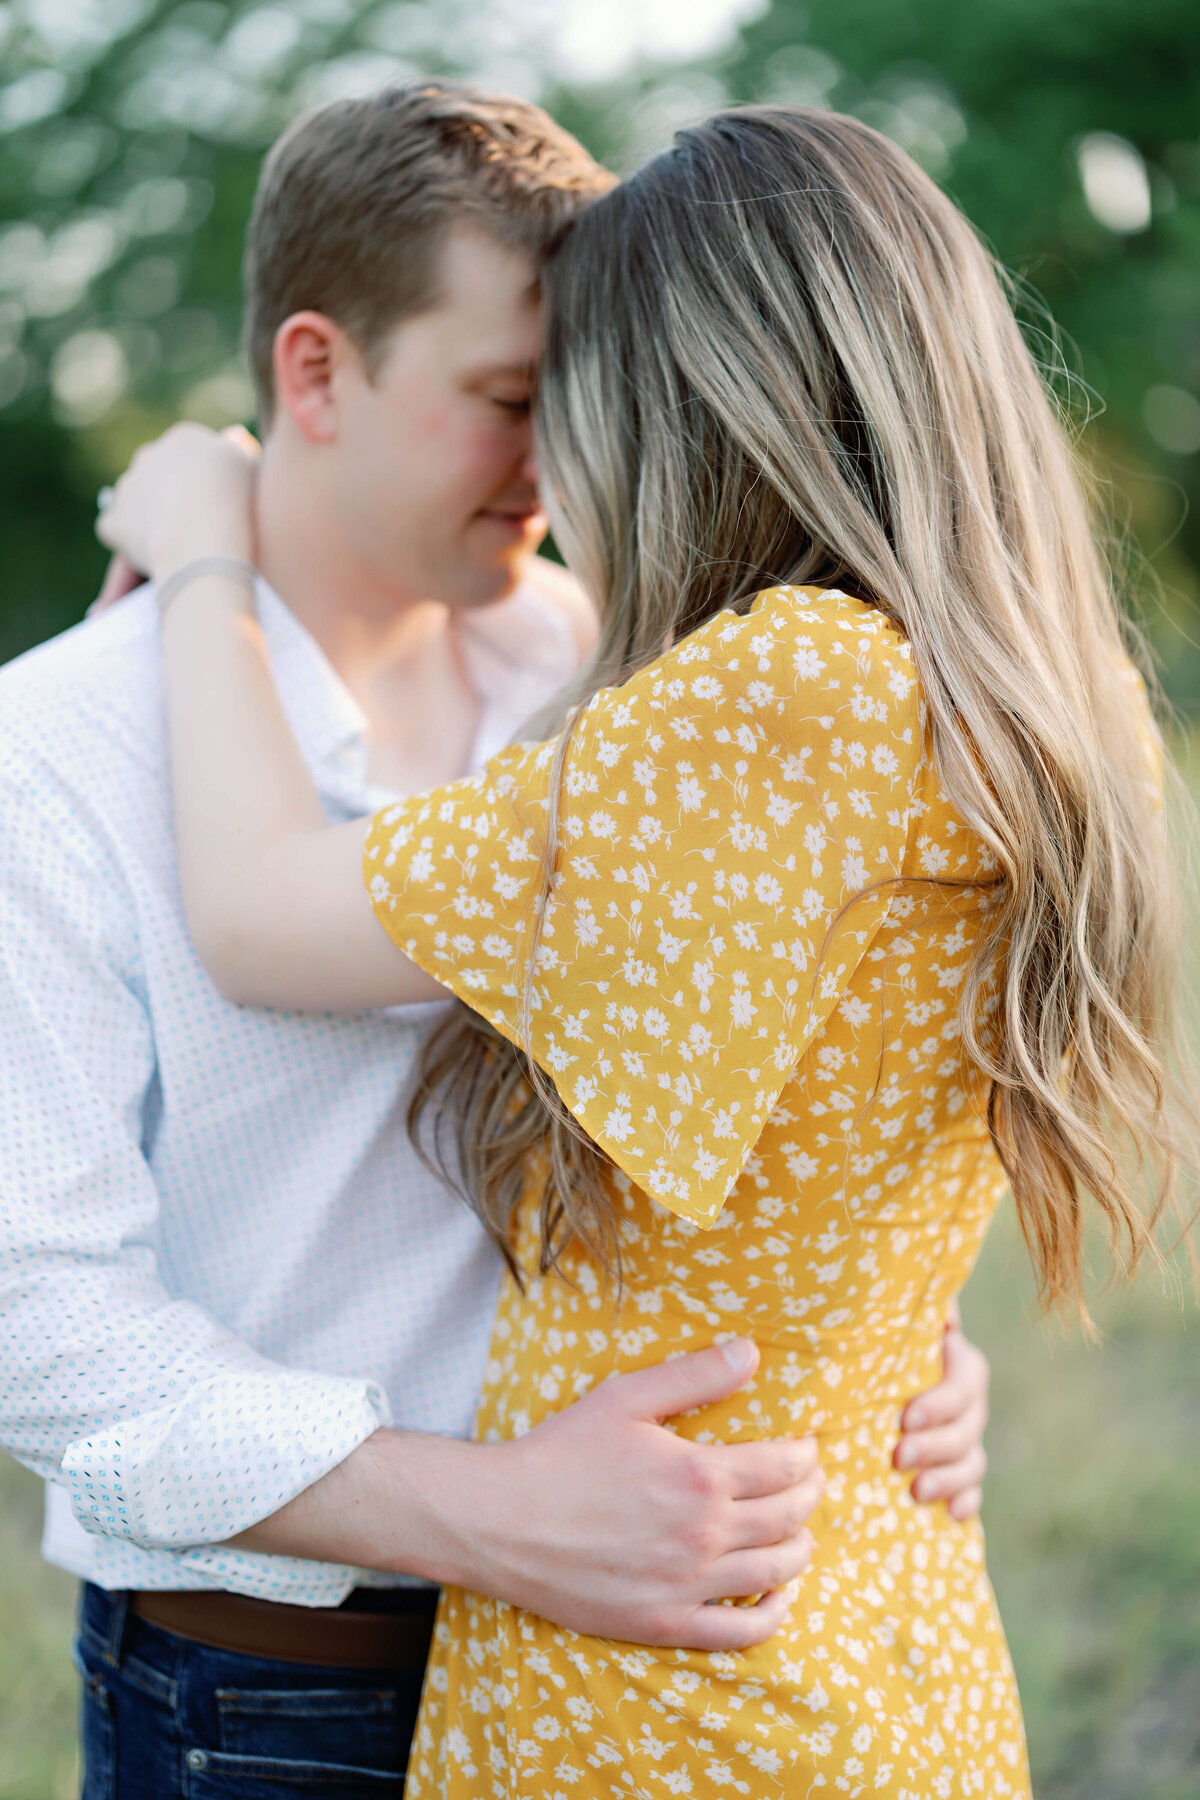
(496, 580)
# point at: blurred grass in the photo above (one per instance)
(38, 1758)
(1092, 1513)
(1093, 1522)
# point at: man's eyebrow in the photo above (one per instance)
(490, 371)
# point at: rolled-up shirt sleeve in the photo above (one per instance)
(165, 1428)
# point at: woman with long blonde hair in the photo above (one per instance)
(843, 874)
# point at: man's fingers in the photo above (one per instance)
(952, 1478)
(685, 1382)
(942, 1443)
(963, 1360)
(757, 1523)
(943, 1403)
(746, 1572)
(771, 1466)
(965, 1380)
(967, 1505)
(735, 1627)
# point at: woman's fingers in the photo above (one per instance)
(951, 1480)
(187, 494)
(768, 1467)
(967, 1505)
(242, 440)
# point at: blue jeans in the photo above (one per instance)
(167, 1719)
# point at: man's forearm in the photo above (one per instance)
(393, 1505)
(599, 1519)
(602, 1520)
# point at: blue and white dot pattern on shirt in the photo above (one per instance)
(222, 1265)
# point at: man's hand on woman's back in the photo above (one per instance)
(941, 1432)
(601, 1518)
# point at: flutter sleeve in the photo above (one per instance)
(730, 824)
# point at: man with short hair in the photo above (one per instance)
(242, 1326)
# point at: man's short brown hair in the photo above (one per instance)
(355, 199)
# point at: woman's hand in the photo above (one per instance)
(188, 494)
(249, 826)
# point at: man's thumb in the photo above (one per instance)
(697, 1379)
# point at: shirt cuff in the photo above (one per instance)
(262, 1576)
(190, 1476)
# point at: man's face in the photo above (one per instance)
(433, 459)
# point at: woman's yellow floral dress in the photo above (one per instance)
(801, 1157)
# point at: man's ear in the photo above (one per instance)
(308, 348)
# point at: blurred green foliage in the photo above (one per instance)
(1012, 104)
(131, 132)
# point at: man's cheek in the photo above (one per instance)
(450, 455)
(430, 423)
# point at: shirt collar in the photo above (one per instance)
(327, 722)
(518, 651)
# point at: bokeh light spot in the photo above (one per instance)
(89, 372)
(1172, 417)
(1115, 183)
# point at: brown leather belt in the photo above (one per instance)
(337, 1637)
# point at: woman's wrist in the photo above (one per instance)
(226, 573)
(176, 553)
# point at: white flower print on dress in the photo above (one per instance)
(755, 957)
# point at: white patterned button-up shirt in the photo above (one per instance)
(222, 1265)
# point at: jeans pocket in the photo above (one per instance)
(216, 1775)
(97, 1734)
(358, 1726)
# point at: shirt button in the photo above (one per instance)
(197, 1760)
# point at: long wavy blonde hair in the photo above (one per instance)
(780, 354)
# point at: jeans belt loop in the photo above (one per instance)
(118, 1629)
